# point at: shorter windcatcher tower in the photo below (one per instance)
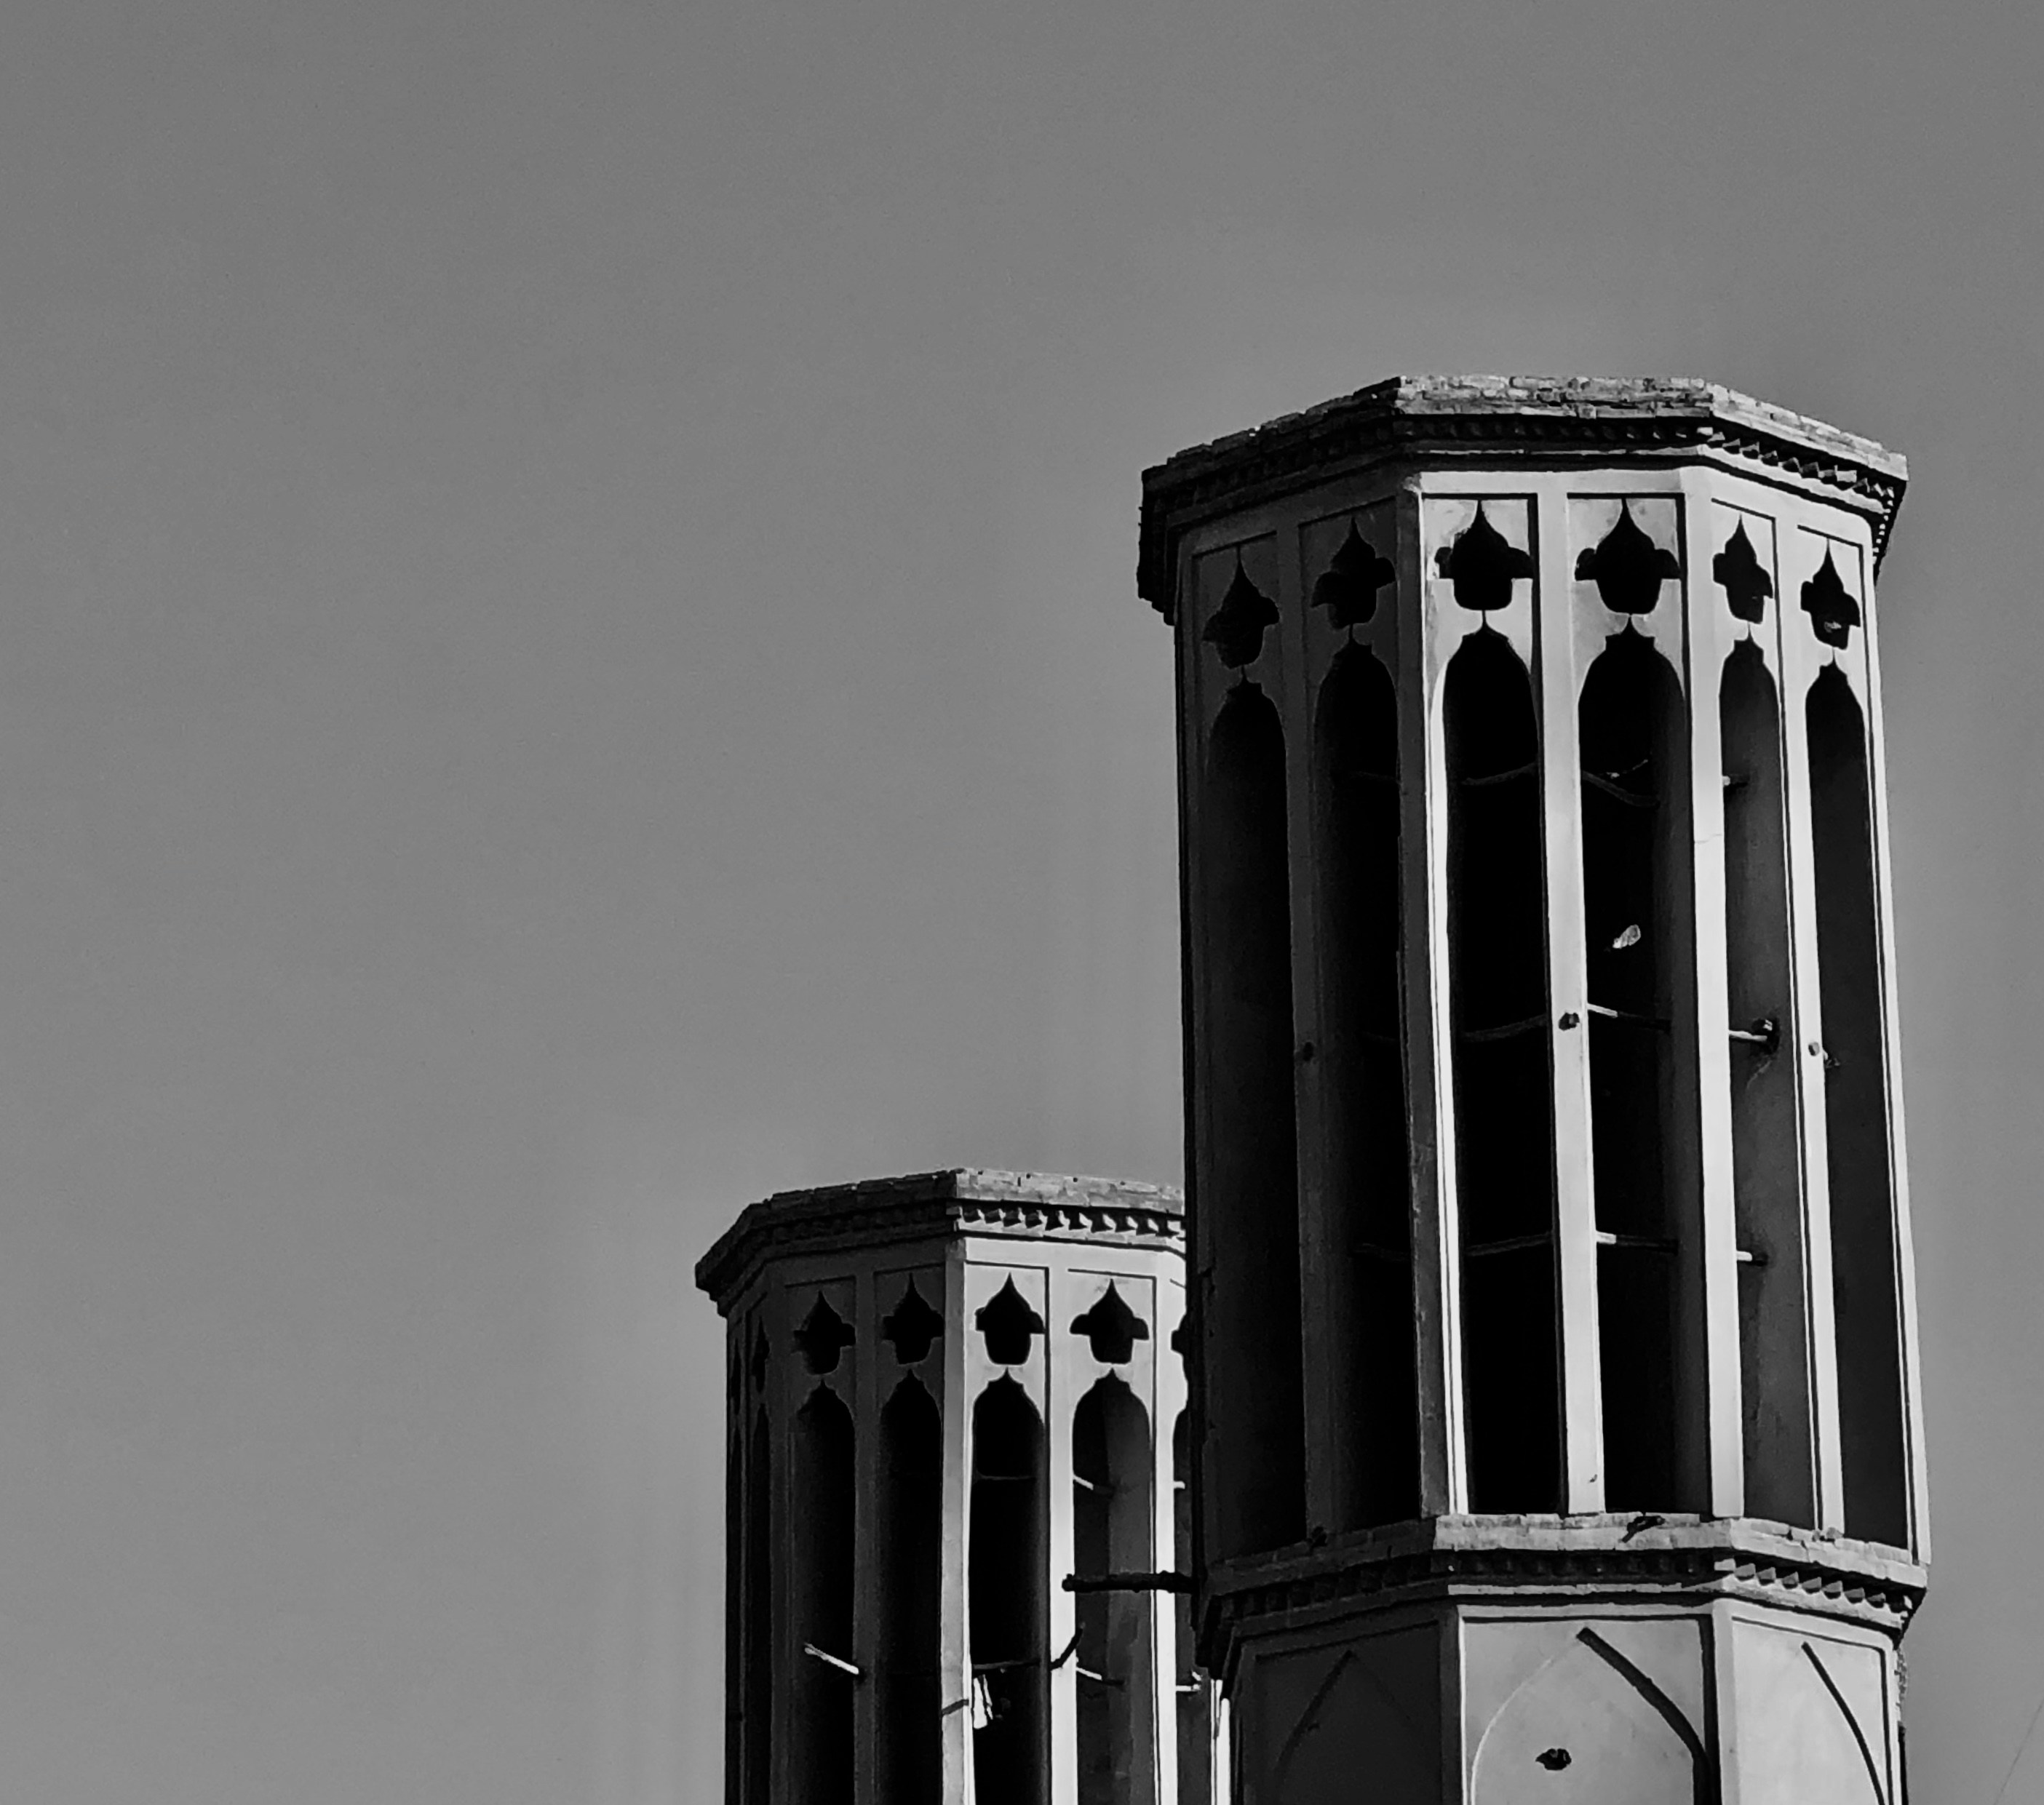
(954, 1528)
(1555, 1377)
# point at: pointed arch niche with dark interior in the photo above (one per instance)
(1195, 1727)
(1008, 1606)
(756, 1757)
(734, 1587)
(1862, 1208)
(1639, 911)
(1767, 1191)
(1250, 1316)
(823, 1510)
(1369, 1339)
(910, 1748)
(1113, 1508)
(1503, 1085)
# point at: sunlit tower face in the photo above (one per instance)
(1548, 1218)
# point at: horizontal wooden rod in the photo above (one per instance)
(1635, 1243)
(1631, 798)
(1525, 770)
(1128, 1582)
(1629, 1017)
(1504, 1030)
(1515, 1244)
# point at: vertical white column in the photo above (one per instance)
(1905, 1256)
(1721, 1647)
(954, 1633)
(1323, 1263)
(1798, 666)
(1062, 1377)
(1167, 1397)
(1707, 646)
(1421, 656)
(1557, 681)
(1196, 710)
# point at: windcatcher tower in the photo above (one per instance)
(1556, 1381)
(948, 1394)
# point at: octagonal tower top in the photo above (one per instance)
(1545, 1174)
(1558, 420)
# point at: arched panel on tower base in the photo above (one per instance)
(1811, 1717)
(1503, 1087)
(1591, 1726)
(1359, 1718)
(1249, 1312)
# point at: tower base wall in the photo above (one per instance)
(1697, 1664)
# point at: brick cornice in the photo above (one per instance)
(1529, 1560)
(924, 1205)
(1544, 420)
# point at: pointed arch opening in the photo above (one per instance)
(1503, 1084)
(1369, 1337)
(1009, 1607)
(910, 1747)
(1638, 916)
(1254, 1409)
(734, 1611)
(756, 1728)
(1113, 1511)
(1865, 1293)
(1767, 1191)
(823, 1503)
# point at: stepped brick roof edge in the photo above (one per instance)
(1464, 415)
(947, 1200)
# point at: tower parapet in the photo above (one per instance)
(1558, 1421)
(948, 1394)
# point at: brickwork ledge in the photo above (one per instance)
(954, 1200)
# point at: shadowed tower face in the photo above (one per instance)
(955, 1521)
(1554, 1419)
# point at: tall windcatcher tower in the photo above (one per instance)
(955, 1523)
(1556, 1390)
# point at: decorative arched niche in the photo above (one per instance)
(1591, 1724)
(1368, 1338)
(1250, 1310)
(1775, 1387)
(1113, 1512)
(1639, 916)
(756, 1727)
(824, 1507)
(1006, 1579)
(1503, 1082)
(909, 1744)
(1864, 1291)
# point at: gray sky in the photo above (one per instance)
(569, 658)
